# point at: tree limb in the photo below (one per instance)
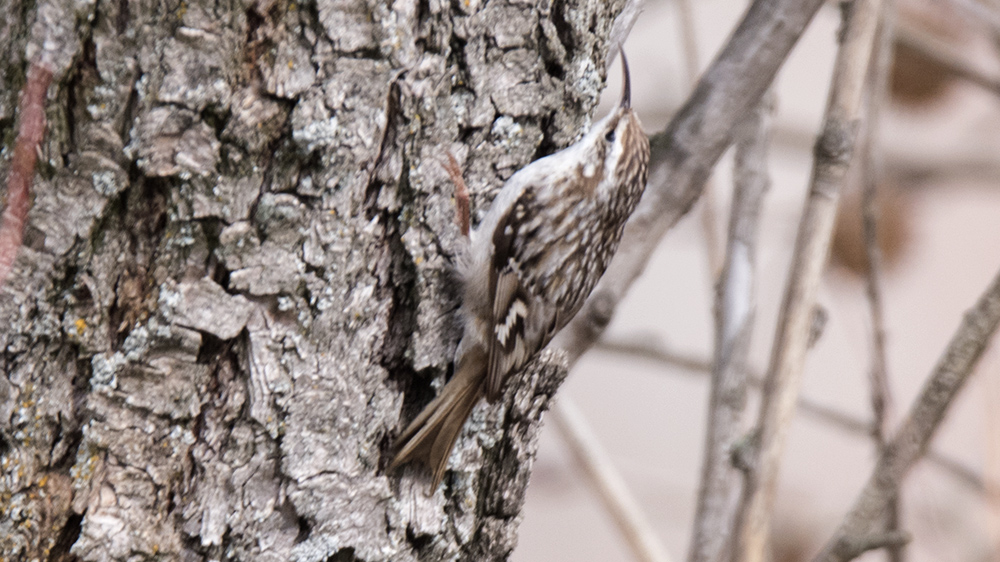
(834, 150)
(910, 442)
(880, 390)
(614, 493)
(734, 316)
(821, 412)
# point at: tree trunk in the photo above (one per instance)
(235, 288)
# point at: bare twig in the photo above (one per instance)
(734, 313)
(658, 353)
(879, 378)
(826, 414)
(610, 485)
(991, 468)
(881, 396)
(911, 440)
(883, 539)
(833, 156)
(30, 133)
(962, 473)
(684, 153)
(703, 366)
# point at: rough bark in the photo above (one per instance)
(236, 286)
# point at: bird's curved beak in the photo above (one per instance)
(626, 102)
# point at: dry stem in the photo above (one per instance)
(881, 396)
(823, 413)
(911, 440)
(610, 485)
(833, 156)
(734, 315)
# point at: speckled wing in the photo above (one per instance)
(519, 326)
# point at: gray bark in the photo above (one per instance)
(236, 284)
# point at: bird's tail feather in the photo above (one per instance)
(430, 437)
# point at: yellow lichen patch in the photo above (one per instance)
(81, 326)
(44, 480)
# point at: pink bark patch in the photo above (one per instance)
(22, 165)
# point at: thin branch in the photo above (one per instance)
(734, 314)
(703, 366)
(833, 156)
(878, 379)
(919, 158)
(991, 453)
(870, 160)
(655, 352)
(911, 440)
(881, 395)
(610, 485)
(883, 539)
(982, 485)
(685, 152)
(30, 133)
(821, 412)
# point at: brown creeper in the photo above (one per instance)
(532, 262)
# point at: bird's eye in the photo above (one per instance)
(610, 137)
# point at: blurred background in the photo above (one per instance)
(940, 153)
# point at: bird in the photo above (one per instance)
(529, 266)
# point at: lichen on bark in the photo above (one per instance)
(236, 283)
